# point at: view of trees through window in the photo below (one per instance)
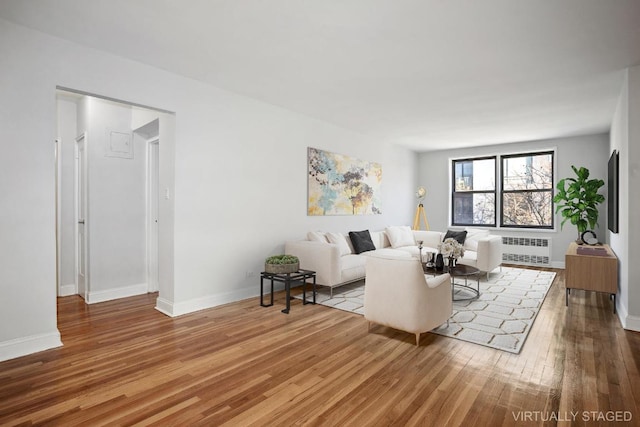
(526, 190)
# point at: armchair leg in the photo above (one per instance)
(417, 339)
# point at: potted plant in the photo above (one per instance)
(281, 264)
(578, 200)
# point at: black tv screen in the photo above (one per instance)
(612, 196)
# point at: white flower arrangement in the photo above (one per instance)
(451, 248)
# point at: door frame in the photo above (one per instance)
(76, 182)
(153, 213)
(58, 156)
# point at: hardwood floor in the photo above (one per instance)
(125, 363)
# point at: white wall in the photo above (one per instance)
(590, 151)
(27, 214)
(625, 137)
(633, 164)
(240, 180)
(245, 171)
(116, 218)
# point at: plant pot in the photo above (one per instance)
(281, 268)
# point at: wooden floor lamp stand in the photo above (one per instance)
(420, 215)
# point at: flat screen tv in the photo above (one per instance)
(612, 193)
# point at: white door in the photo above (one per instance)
(81, 215)
(153, 196)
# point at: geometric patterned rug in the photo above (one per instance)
(504, 313)
(500, 318)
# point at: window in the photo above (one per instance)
(525, 186)
(527, 190)
(474, 192)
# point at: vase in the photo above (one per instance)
(431, 262)
(452, 262)
(439, 262)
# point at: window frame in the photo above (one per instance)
(499, 190)
(494, 191)
(550, 190)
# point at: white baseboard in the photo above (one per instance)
(164, 306)
(622, 312)
(115, 293)
(630, 323)
(27, 345)
(174, 309)
(633, 323)
(66, 290)
(557, 264)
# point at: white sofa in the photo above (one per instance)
(336, 263)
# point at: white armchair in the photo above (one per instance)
(398, 294)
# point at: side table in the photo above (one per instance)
(591, 268)
(300, 276)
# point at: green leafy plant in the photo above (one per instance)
(578, 199)
(282, 259)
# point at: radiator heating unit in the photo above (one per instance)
(526, 250)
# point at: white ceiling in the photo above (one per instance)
(425, 74)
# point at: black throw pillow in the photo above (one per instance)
(361, 241)
(460, 236)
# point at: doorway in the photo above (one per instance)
(109, 229)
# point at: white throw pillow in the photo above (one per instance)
(400, 236)
(473, 235)
(317, 236)
(341, 241)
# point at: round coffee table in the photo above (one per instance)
(461, 271)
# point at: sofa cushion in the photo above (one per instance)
(361, 241)
(379, 239)
(469, 258)
(341, 241)
(387, 253)
(317, 236)
(460, 236)
(400, 236)
(429, 238)
(473, 235)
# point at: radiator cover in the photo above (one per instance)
(526, 250)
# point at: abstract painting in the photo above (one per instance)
(342, 185)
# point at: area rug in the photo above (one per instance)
(500, 318)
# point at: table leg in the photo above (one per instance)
(314, 290)
(614, 303)
(272, 291)
(566, 297)
(262, 293)
(304, 290)
(287, 286)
